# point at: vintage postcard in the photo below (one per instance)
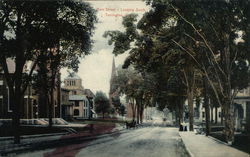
(124, 78)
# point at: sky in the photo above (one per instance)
(95, 69)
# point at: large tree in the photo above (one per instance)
(150, 53)
(102, 104)
(60, 29)
(207, 32)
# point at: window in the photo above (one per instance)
(219, 114)
(76, 103)
(85, 113)
(203, 114)
(74, 92)
(76, 112)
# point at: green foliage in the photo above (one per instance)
(101, 103)
(116, 102)
(122, 110)
(206, 32)
(56, 33)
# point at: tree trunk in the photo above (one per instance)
(221, 116)
(51, 107)
(133, 112)
(29, 103)
(227, 102)
(141, 113)
(180, 112)
(189, 75)
(177, 121)
(216, 115)
(17, 86)
(16, 115)
(138, 113)
(208, 128)
(191, 110)
(133, 109)
(212, 114)
(229, 122)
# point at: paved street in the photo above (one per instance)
(141, 142)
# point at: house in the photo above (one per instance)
(66, 105)
(80, 104)
(90, 96)
(241, 110)
(33, 102)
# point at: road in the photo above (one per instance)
(140, 142)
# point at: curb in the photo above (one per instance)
(33, 136)
(188, 150)
(27, 146)
(217, 140)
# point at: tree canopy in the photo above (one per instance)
(196, 38)
(58, 30)
(101, 103)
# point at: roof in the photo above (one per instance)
(89, 93)
(77, 97)
(242, 97)
(64, 89)
(73, 76)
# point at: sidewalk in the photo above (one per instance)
(202, 146)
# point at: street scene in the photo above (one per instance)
(124, 78)
(150, 141)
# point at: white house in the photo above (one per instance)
(81, 106)
(79, 102)
(241, 108)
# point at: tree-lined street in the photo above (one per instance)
(182, 88)
(148, 141)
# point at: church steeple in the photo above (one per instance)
(113, 71)
(113, 75)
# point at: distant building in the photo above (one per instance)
(241, 109)
(114, 98)
(90, 96)
(80, 105)
(33, 101)
(112, 83)
(73, 83)
(66, 105)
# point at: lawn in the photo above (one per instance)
(34, 130)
